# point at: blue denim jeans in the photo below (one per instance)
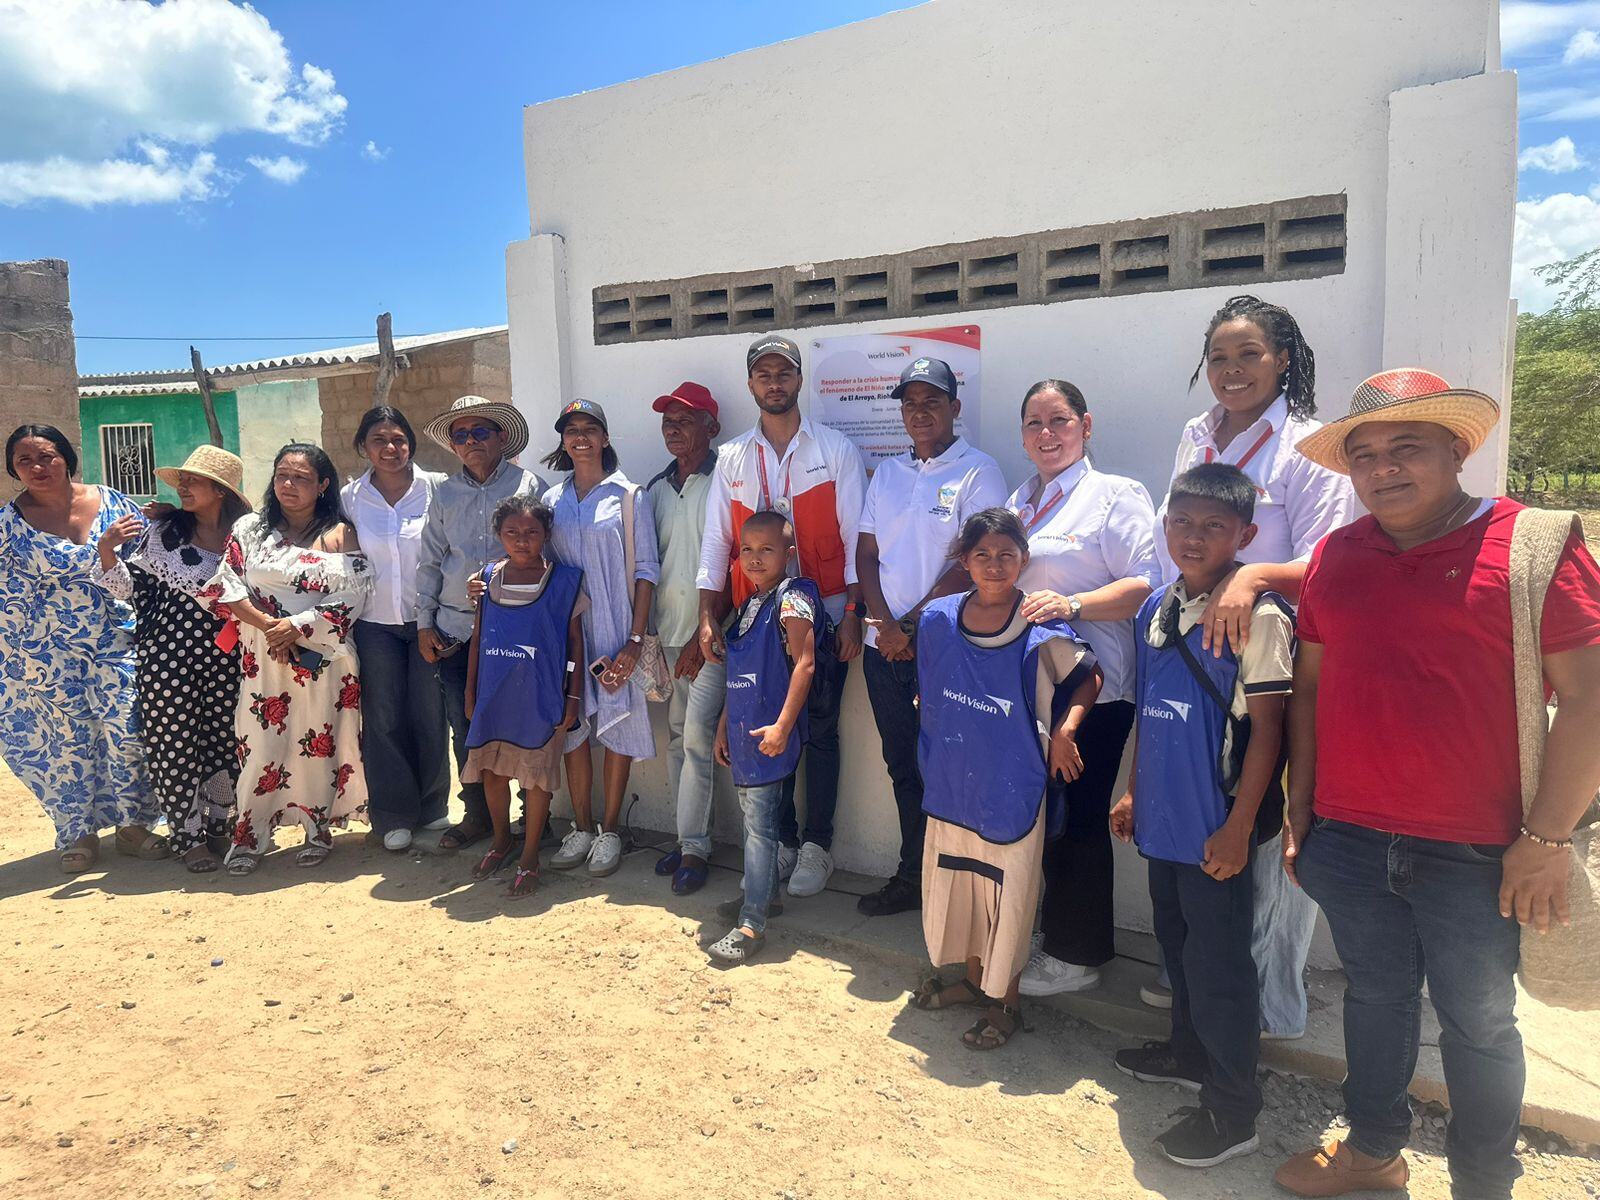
(821, 758)
(1284, 923)
(1405, 910)
(404, 735)
(760, 808)
(692, 715)
(892, 688)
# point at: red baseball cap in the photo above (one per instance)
(691, 394)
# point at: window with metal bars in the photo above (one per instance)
(128, 458)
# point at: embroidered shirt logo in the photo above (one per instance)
(945, 504)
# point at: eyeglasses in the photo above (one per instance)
(478, 433)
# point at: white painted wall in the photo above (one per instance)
(271, 415)
(963, 119)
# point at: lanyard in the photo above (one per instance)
(1248, 454)
(766, 490)
(1039, 515)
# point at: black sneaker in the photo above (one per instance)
(1154, 1062)
(1202, 1139)
(729, 910)
(896, 896)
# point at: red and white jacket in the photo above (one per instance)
(819, 480)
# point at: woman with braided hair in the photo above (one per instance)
(1263, 378)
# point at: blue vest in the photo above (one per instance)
(978, 749)
(522, 663)
(1181, 790)
(758, 684)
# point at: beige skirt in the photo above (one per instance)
(979, 899)
(540, 769)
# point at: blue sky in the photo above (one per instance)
(214, 171)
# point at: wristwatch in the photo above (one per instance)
(636, 638)
(908, 626)
(1074, 607)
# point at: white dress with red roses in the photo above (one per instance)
(298, 729)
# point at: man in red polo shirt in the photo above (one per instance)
(1406, 821)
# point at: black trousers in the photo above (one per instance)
(1078, 873)
(1204, 928)
(892, 688)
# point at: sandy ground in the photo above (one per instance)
(383, 1027)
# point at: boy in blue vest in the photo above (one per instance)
(771, 658)
(1206, 789)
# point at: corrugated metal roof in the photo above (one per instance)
(149, 383)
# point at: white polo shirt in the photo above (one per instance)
(915, 509)
(391, 538)
(1089, 529)
(1298, 502)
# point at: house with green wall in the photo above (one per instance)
(126, 437)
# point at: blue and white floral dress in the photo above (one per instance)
(68, 728)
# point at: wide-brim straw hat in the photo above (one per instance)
(1405, 394)
(503, 415)
(213, 463)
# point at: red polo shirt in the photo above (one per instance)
(1416, 706)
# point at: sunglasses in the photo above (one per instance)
(478, 433)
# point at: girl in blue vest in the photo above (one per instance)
(522, 687)
(771, 657)
(1001, 701)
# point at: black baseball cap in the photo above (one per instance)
(587, 407)
(771, 344)
(933, 371)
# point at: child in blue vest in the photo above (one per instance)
(1206, 789)
(523, 693)
(771, 658)
(1000, 702)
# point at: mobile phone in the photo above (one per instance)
(599, 666)
(309, 660)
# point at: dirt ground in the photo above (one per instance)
(383, 1027)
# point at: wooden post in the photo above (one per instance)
(387, 368)
(203, 381)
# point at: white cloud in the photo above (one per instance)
(372, 152)
(1556, 157)
(85, 83)
(157, 180)
(1585, 44)
(1549, 230)
(282, 169)
(1524, 26)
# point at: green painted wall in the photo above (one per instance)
(179, 426)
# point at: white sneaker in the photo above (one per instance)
(1268, 1036)
(606, 855)
(575, 849)
(1046, 975)
(397, 839)
(787, 857)
(1155, 995)
(440, 823)
(812, 871)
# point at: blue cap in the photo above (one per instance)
(934, 371)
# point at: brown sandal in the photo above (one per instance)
(81, 855)
(935, 994)
(988, 1034)
(141, 844)
(461, 835)
(523, 883)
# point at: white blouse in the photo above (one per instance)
(1298, 502)
(391, 538)
(1087, 530)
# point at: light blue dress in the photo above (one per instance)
(588, 535)
(68, 728)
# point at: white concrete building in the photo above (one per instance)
(1368, 150)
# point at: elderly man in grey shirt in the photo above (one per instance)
(457, 541)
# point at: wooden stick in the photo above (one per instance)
(387, 367)
(203, 381)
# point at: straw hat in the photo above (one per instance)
(503, 415)
(1405, 394)
(213, 463)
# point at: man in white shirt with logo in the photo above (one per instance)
(813, 476)
(915, 506)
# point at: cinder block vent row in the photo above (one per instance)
(1259, 243)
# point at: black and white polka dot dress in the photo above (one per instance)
(187, 687)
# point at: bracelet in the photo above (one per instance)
(570, 696)
(1565, 844)
(850, 607)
